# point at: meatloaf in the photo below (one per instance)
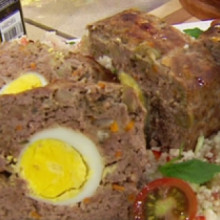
(102, 112)
(178, 78)
(211, 39)
(20, 57)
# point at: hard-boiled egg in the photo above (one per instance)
(60, 166)
(24, 82)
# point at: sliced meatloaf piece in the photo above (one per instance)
(17, 58)
(187, 95)
(110, 115)
(175, 75)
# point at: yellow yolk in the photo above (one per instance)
(53, 168)
(24, 82)
(60, 166)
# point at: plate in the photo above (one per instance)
(203, 25)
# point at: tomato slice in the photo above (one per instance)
(166, 199)
(200, 218)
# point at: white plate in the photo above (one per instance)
(203, 25)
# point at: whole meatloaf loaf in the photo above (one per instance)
(178, 78)
(25, 56)
(104, 127)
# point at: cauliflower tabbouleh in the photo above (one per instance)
(208, 193)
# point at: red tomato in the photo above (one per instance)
(166, 199)
(157, 154)
(200, 218)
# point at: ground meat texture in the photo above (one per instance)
(88, 109)
(211, 39)
(175, 74)
(17, 58)
(188, 97)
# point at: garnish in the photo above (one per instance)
(71, 42)
(194, 32)
(165, 198)
(194, 171)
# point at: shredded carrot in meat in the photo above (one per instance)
(118, 187)
(155, 68)
(75, 73)
(35, 215)
(151, 44)
(33, 65)
(86, 200)
(18, 128)
(101, 85)
(131, 197)
(114, 127)
(129, 126)
(24, 41)
(118, 154)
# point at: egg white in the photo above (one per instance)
(87, 148)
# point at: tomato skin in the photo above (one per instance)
(156, 154)
(138, 208)
(200, 218)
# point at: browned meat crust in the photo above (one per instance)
(211, 40)
(188, 97)
(17, 58)
(133, 28)
(178, 77)
(87, 109)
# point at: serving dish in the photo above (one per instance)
(203, 25)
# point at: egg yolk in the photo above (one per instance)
(53, 168)
(23, 83)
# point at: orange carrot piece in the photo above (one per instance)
(118, 187)
(118, 154)
(114, 127)
(129, 126)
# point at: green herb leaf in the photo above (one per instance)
(194, 171)
(194, 32)
(71, 42)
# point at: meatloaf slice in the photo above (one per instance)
(17, 58)
(188, 103)
(110, 115)
(174, 73)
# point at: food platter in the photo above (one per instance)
(111, 118)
